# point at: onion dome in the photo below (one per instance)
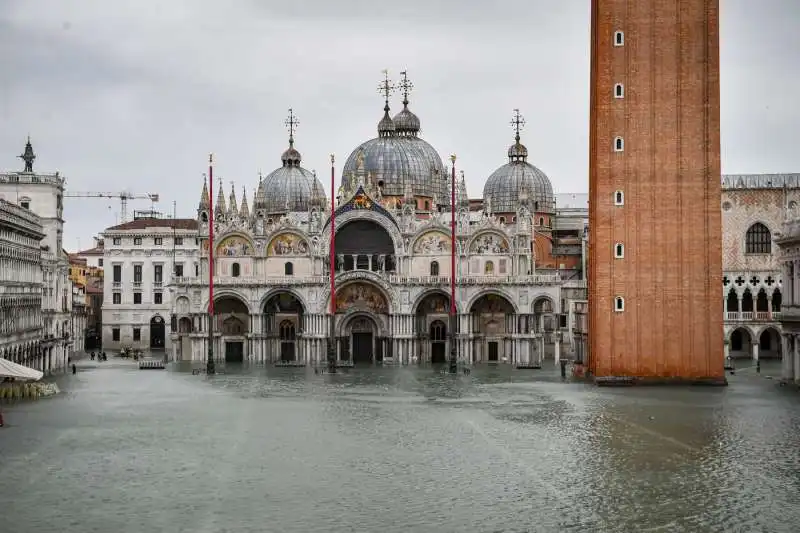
(386, 127)
(505, 186)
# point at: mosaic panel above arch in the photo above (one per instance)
(360, 295)
(234, 246)
(432, 242)
(489, 243)
(287, 244)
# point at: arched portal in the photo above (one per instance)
(158, 332)
(433, 308)
(232, 320)
(184, 340)
(364, 245)
(769, 344)
(492, 320)
(362, 334)
(741, 342)
(283, 324)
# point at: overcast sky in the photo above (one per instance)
(133, 94)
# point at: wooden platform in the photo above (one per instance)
(529, 367)
(152, 365)
(290, 364)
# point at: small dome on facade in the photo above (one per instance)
(287, 189)
(517, 151)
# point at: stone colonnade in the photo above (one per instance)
(44, 358)
(791, 357)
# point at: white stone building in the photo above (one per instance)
(43, 194)
(392, 262)
(789, 259)
(753, 211)
(21, 287)
(139, 260)
(78, 318)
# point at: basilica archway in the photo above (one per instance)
(282, 323)
(362, 300)
(492, 328)
(432, 326)
(232, 320)
(364, 245)
(158, 333)
(362, 337)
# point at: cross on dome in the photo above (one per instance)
(291, 122)
(386, 87)
(518, 122)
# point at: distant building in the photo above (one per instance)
(141, 257)
(43, 194)
(788, 257)
(21, 323)
(93, 255)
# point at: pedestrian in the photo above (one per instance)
(74, 369)
(1, 419)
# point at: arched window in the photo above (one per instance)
(619, 91)
(287, 331)
(541, 221)
(619, 198)
(235, 270)
(619, 144)
(619, 38)
(434, 268)
(488, 268)
(288, 269)
(619, 304)
(758, 239)
(619, 250)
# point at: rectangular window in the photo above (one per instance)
(501, 266)
(117, 298)
(137, 334)
(100, 262)
(196, 269)
(115, 334)
(178, 241)
(178, 270)
(137, 241)
(158, 298)
(117, 241)
(117, 274)
(137, 298)
(137, 273)
(158, 241)
(158, 273)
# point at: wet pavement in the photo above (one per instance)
(398, 449)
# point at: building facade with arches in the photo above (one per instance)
(754, 210)
(392, 261)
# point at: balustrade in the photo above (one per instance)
(761, 316)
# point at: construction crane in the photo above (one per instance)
(123, 199)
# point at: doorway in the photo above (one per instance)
(287, 351)
(362, 347)
(493, 351)
(438, 335)
(157, 333)
(234, 351)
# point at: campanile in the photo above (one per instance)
(655, 230)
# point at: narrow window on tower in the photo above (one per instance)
(619, 91)
(619, 38)
(619, 144)
(619, 198)
(619, 250)
(619, 304)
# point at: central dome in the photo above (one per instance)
(398, 158)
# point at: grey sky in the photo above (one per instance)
(133, 94)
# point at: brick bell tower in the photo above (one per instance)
(655, 230)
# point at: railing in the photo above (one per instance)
(760, 316)
(137, 284)
(158, 283)
(535, 279)
(116, 284)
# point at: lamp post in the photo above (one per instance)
(210, 363)
(332, 325)
(453, 350)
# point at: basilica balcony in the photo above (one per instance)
(753, 316)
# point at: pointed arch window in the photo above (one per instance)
(619, 304)
(619, 91)
(758, 239)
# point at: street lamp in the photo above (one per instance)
(453, 351)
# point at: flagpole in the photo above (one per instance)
(332, 325)
(453, 349)
(210, 363)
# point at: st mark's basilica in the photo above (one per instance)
(392, 261)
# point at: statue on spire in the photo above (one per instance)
(28, 156)
(291, 122)
(518, 122)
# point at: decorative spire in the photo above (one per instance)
(291, 157)
(386, 126)
(28, 156)
(204, 194)
(232, 201)
(517, 152)
(219, 208)
(244, 210)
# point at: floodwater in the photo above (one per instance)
(398, 449)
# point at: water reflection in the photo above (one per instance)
(397, 449)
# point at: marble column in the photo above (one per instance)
(755, 350)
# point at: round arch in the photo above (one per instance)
(433, 292)
(740, 340)
(347, 278)
(364, 295)
(769, 342)
(158, 332)
(290, 243)
(277, 292)
(538, 300)
(492, 292)
(369, 216)
(425, 241)
(490, 241)
(343, 327)
(234, 244)
(229, 293)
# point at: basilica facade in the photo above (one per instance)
(391, 227)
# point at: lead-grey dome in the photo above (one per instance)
(506, 184)
(396, 160)
(290, 187)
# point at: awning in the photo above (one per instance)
(9, 369)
